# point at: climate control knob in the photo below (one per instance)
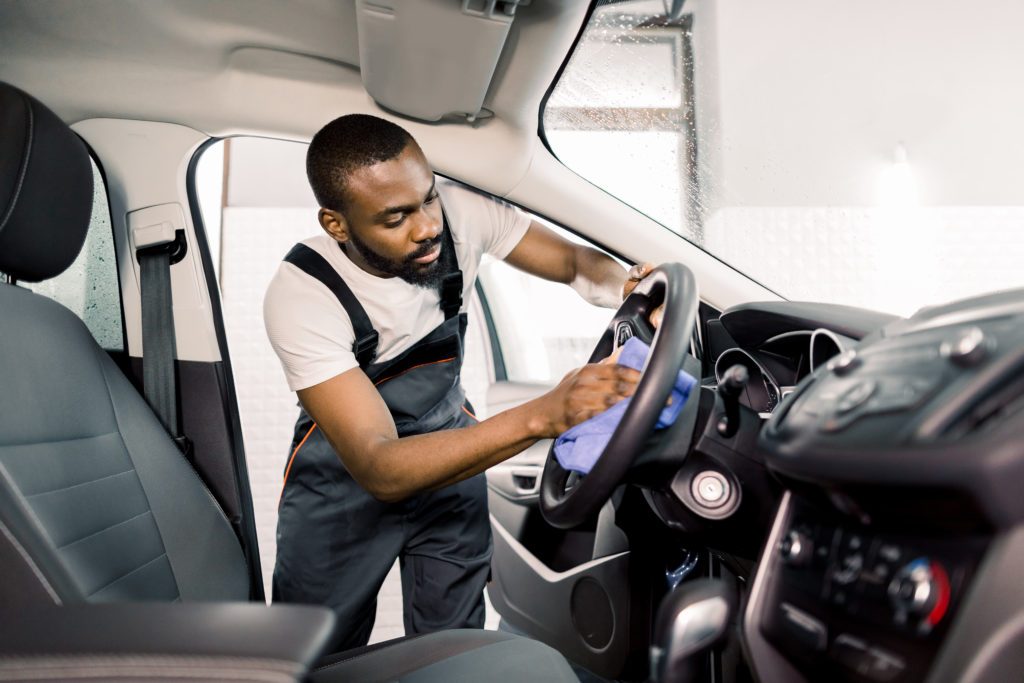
(920, 591)
(796, 549)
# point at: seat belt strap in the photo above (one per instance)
(159, 381)
(313, 264)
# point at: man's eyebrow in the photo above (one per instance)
(408, 208)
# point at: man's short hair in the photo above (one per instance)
(345, 144)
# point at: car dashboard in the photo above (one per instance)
(777, 365)
(893, 555)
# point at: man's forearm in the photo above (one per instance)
(599, 278)
(392, 468)
(451, 455)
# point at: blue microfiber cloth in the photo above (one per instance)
(579, 447)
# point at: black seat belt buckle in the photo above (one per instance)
(365, 348)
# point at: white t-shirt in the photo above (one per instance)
(310, 330)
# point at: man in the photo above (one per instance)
(367, 320)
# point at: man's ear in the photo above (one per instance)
(334, 224)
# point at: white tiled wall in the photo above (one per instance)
(254, 242)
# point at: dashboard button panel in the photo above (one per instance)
(871, 605)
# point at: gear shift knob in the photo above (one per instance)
(695, 617)
(733, 382)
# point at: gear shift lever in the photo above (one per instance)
(734, 381)
(692, 619)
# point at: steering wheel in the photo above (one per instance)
(672, 283)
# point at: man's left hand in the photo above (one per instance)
(635, 275)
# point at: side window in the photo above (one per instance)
(90, 286)
(543, 329)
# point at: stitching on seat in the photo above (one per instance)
(12, 444)
(188, 468)
(202, 485)
(107, 528)
(29, 511)
(30, 562)
(24, 168)
(82, 483)
(127, 574)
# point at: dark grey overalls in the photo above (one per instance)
(335, 542)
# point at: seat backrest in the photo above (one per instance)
(96, 502)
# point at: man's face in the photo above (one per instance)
(392, 221)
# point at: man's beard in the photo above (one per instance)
(428, 276)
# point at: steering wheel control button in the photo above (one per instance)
(710, 489)
(809, 632)
(623, 333)
(969, 348)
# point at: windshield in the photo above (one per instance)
(864, 153)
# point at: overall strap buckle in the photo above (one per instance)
(365, 348)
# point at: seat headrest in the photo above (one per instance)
(45, 189)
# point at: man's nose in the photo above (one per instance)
(425, 227)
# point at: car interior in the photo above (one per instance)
(837, 254)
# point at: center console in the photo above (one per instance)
(903, 460)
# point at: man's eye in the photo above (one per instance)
(431, 199)
(395, 223)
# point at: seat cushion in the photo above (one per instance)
(462, 655)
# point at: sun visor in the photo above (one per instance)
(431, 58)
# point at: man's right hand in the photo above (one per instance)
(586, 392)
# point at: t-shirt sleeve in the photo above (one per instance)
(310, 333)
(497, 225)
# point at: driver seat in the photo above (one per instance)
(97, 505)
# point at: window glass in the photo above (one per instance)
(89, 287)
(209, 184)
(837, 152)
(544, 328)
(620, 114)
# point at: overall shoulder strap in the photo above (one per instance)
(315, 265)
(451, 285)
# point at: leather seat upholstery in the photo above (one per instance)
(96, 502)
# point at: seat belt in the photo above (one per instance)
(155, 247)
